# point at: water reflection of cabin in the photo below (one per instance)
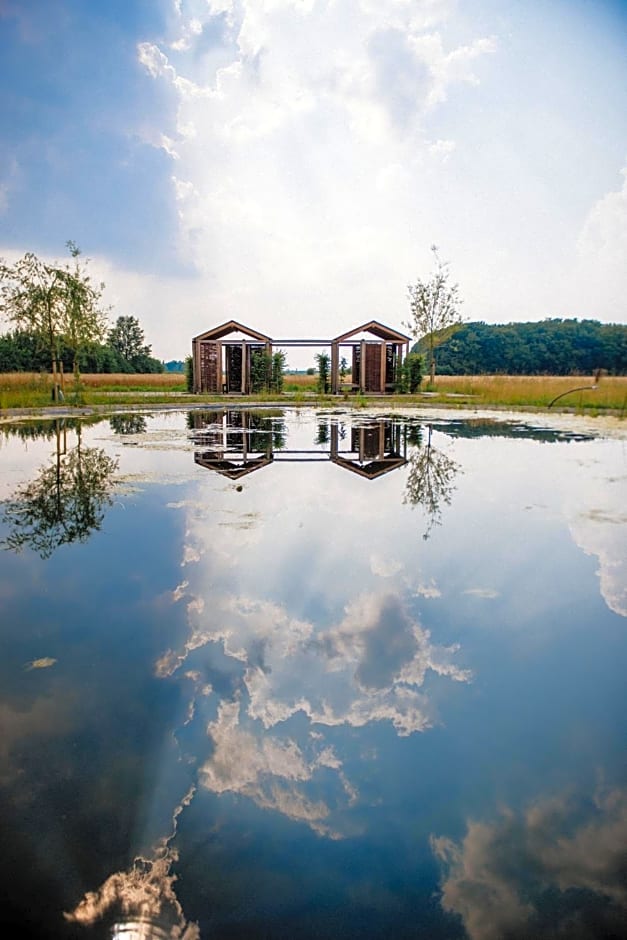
(233, 443)
(223, 357)
(375, 448)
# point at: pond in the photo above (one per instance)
(309, 673)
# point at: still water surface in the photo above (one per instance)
(312, 674)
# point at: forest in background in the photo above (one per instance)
(21, 351)
(546, 347)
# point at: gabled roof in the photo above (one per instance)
(376, 328)
(374, 469)
(232, 326)
(229, 468)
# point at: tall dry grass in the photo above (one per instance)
(538, 390)
(27, 389)
(34, 389)
(91, 380)
(300, 381)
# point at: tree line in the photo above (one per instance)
(548, 347)
(23, 351)
(59, 322)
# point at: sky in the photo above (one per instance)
(290, 163)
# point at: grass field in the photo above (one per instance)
(539, 390)
(23, 390)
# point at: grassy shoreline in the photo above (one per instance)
(23, 393)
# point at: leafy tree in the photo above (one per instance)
(128, 340)
(21, 351)
(128, 424)
(430, 482)
(552, 346)
(189, 373)
(63, 503)
(410, 374)
(84, 322)
(324, 366)
(260, 370)
(55, 303)
(434, 305)
(278, 368)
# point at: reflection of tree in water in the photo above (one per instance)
(64, 503)
(128, 424)
(265, 431)
(323, 433)
(430, 482)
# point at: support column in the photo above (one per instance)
(244, 368)
(219, 368)
(335, 436)
(362, 366)
(335, 368)
(196, 366)
(383, 349)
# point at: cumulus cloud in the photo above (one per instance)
(602, 249)
(385, 567)
(290, 116)
(270, 770)
(604, 535)
(369, 667)
(146, 892)
(556, 870)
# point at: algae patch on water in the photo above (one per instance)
(44, 663)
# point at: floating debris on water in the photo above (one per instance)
(44, 663)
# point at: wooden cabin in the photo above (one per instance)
(222, 358)
(376, 356)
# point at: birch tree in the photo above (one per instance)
(54, 302)
(434, 305)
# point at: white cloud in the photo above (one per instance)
(145, 891)
(270, 770)
(488, 593)
(503, 873)
(604, 535)
(287, 127)
(369, 667)
(385, 567)
(602, 250)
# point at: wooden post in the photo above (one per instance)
(381, 440)
(244, 367)
(335, 367)
(362, 366)
(383, 350)
(196, 366)
(335, 436)
(219, 368)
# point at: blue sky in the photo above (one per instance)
(289, 163)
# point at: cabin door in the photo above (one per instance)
(233, 368)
